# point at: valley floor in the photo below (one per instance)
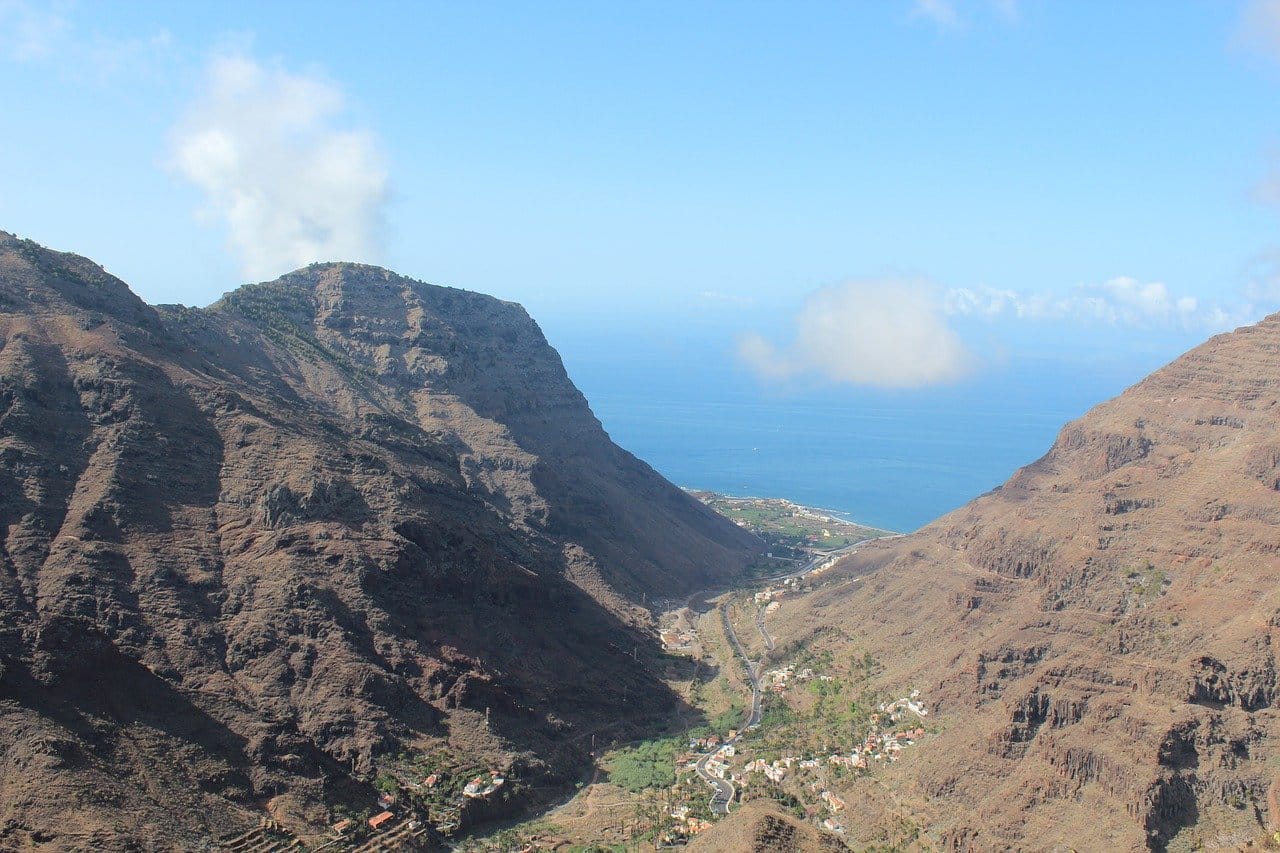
(756, 702)
(774, 724)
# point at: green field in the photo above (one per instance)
(786, 525)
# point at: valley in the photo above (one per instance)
(755, 745)
(1082, 658)
(344, 561)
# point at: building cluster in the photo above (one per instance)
(482, 786)
(778, 680)
(703, 744)
(689, 825)
(832, 825)
(910, 703)
(774, 771)
(883, 746)
(770, 595)
(823, 566)
(888, 735)
(674, 639)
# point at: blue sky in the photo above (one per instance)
(999, 178)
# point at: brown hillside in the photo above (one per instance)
(249, 551)
(1096, 637)
(760, 826)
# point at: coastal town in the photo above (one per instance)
(794, 532)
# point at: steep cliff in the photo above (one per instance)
(249, 551)
(1097, 637)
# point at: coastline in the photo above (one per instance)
(812, 512)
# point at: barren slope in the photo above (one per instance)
(1097, 635)
(761, 826)
(247, 551)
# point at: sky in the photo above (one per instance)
(898, 195)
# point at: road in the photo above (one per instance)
(753, 674)
(813, 563)
(724, 789)
(764, 632)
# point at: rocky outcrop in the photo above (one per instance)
(250, 551)
(760, 826)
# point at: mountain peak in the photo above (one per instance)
(34, 278)
(283, 541)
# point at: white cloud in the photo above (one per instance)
(1118, 301)
(1262, 277)
(898, 333)
(291, 184)
(883, 333)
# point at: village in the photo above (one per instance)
(773, 760)
(814, 728)
(420, 801)
(418, 806)
(894, 726)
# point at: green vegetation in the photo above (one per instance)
(649, 764)
(283, 314)
(776, 714)
(731, 718)
(789, 528)
(386, 783)
(823, 716)
(1147, 582)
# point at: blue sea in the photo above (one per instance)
(889, 459)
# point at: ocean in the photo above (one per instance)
(890, 459)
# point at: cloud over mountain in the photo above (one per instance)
(291, 183)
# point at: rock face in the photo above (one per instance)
(247, 550)
(1098, 635)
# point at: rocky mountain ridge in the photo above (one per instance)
(1097, 636)
(248, 551)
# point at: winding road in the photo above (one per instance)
(764, 632)
(724, 789)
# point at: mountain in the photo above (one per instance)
(1096, 638)
(251, 553)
